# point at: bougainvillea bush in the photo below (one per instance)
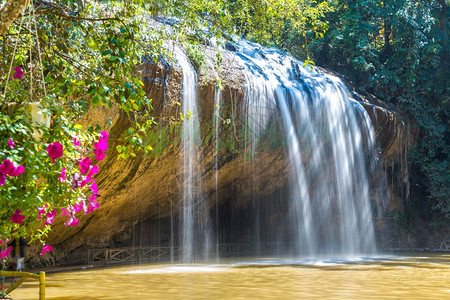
(67, 65)
(46, 174)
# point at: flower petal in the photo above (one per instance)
(55, 151)
(11, 143)
(17, 217)
(46, 248)
(5, 253)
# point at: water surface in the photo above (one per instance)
(387, 277)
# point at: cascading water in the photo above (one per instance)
(217, 103)
(195, 225)
(328, 143)
(327, 138)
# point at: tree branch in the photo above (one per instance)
(11, 11)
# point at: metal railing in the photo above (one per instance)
(131, 254)
(125, 255)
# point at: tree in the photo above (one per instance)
(398, 51)
(62, 58)
(9, 12)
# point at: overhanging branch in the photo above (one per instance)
(11, 11)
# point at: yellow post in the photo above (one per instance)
(23, 276)
(41, 285)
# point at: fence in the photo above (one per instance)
(128, 255)
(23, 276)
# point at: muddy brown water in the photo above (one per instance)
(383, 277)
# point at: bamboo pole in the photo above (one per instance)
(41, 285)
(23, 276)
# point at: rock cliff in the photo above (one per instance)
(141, 194)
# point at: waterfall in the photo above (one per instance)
(217, 103)
(195, 233)
(329, 145)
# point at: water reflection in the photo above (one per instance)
(390, 277)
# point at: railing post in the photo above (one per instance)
(41, 285)
(107, 255)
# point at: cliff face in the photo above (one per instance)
(141, 194)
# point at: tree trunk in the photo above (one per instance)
(387, 31)
(445, 53)
(443, 21)
(9, 12)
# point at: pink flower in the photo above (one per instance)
(5, 253)
(18, 74)
(11, 143)
(93, 197)
(7, 167)
(90, 207)
(92, 171)
(17, 171)
(72, 221)
(77, 207)
(85, 164)
(4, 242)
(46, 248)
(76, 142)
(55, 151)
(2, 179)
(17, 217)
(50, 217)
(99, 151)
(65, 212)
(62, 177)
(101, 146)
(94, 187)
(41, 210)
(86, 180)
(104, 135)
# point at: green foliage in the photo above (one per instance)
(74, 55)
(398, 51)
(39, 185)
(196, 55)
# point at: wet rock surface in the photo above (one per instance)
(140, 195)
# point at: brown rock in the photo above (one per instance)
(146, 190)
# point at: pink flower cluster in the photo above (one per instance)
(50, 216)
(101, 146)
(8, 168)
(4, 252)
(78, 180)
(87, 205)
(87, 171)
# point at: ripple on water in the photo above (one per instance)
(178, 269)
